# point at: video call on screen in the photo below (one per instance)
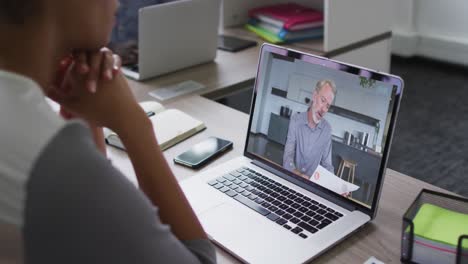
(326, 125)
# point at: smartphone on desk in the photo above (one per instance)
(203, 152)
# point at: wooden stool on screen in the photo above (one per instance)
(351, 165)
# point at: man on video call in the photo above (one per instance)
(308, 142)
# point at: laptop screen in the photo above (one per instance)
(326, 123)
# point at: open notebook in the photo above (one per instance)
(171, 126)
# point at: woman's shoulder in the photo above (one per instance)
(27, 124)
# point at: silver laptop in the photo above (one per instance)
(302, 185)
(175, 35)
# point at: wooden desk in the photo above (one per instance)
(381, 238)
(215, 117)
(232, 71)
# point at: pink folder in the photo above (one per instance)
(290, 16)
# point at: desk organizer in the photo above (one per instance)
(435, 229)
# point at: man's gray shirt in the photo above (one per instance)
(307, 147)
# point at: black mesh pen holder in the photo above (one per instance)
(410, 252)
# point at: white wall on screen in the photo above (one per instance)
(372, 102)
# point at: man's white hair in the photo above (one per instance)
(320, 84)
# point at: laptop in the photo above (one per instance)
(175, 35)
(259, 209)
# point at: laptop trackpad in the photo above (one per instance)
(237, 229)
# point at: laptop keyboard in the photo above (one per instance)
(286, 207)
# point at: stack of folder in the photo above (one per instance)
(285, 23)
(436, 234)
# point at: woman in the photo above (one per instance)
(61, 201)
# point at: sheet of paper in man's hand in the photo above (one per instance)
(332, 182)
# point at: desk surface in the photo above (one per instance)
(229, 73)
(380, 238)
(220, 77)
